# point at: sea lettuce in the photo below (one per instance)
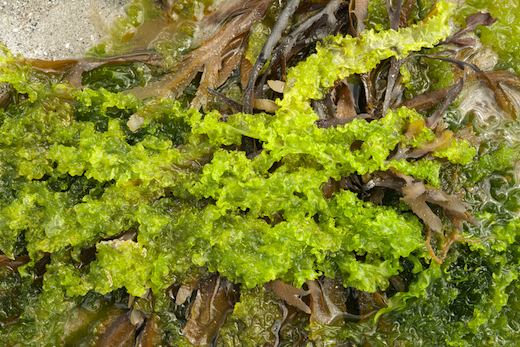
(341, 56)
(503, 35)
(136, 174)
(254, 320)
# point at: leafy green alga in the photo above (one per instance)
(135, 173)
(504, 35)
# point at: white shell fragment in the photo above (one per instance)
(276, 85)
(135, 122)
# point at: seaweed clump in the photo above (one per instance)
(346, 200)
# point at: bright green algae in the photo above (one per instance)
(76, 176)
(344, 56)
(504, 35)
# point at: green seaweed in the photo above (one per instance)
(503, 35)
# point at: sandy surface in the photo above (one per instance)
(53, 29)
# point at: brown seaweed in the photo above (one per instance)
(214, 300)
(299, 37)
(328, 302)
(495, 80)
(472, 22)
(427, 100)
(346, 105)
(5, 94)
(358, 12)
(290, 294)
(276, 33)
(216, 57)
(150, 335)
(13, 264)
(73, 69)
(434, 119)
(120, 333)
(418, 195)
